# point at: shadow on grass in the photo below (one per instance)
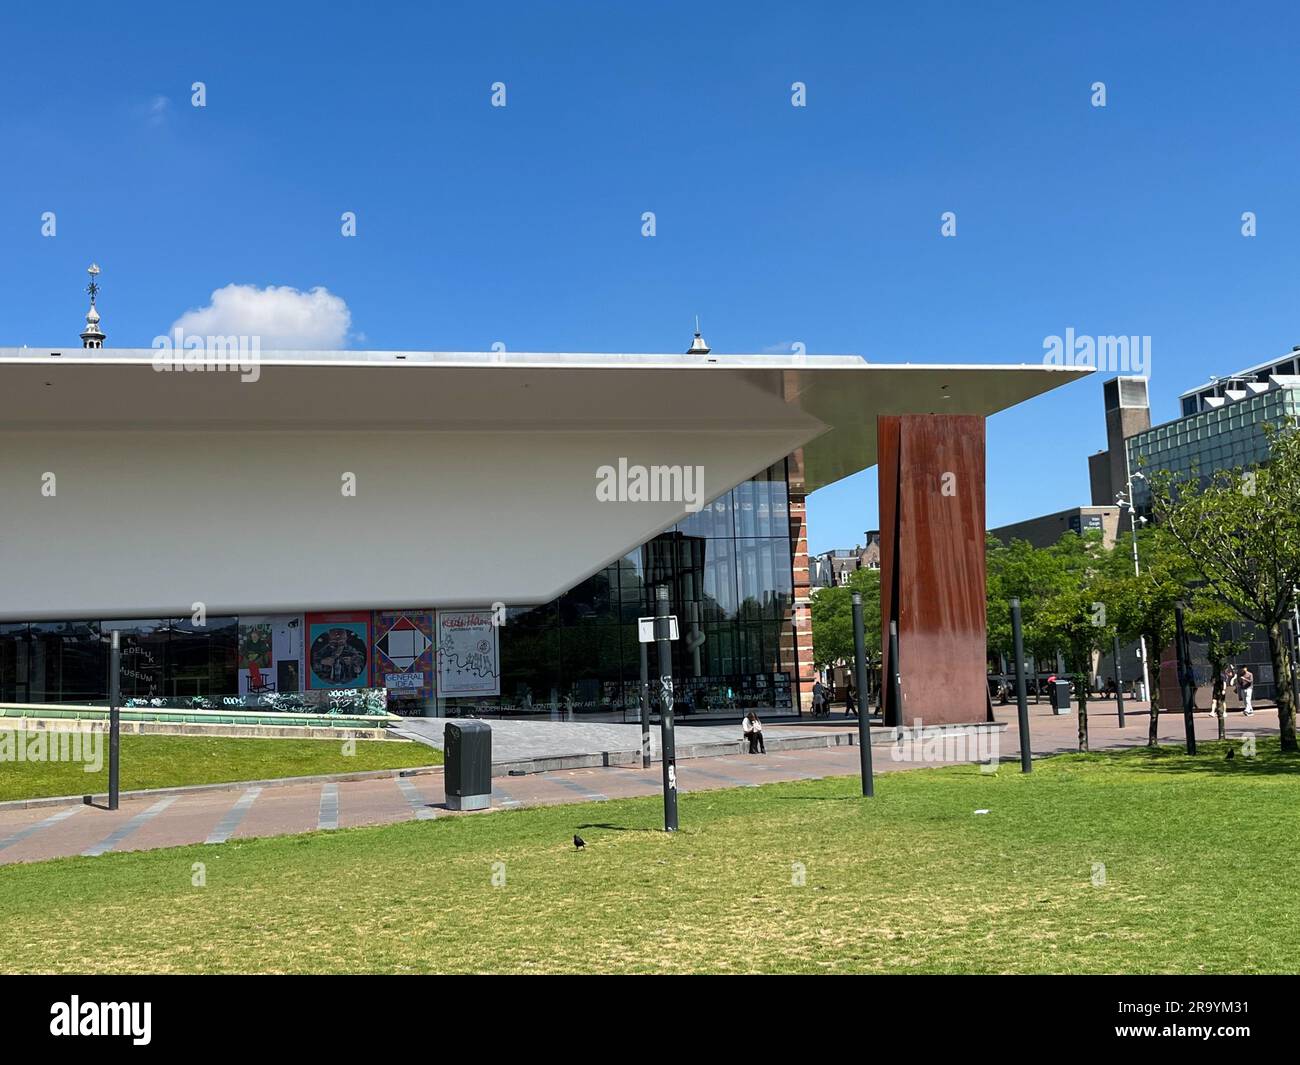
(1212, 757)
(615, 828)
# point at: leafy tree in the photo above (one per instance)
(1241, 532)
(1034, 575)
(1075, 618)
(1209, 618)
(1141, 606)
(832, 622)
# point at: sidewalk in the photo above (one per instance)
(151, 821)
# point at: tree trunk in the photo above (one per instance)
(1081, 684)
(1280, 655)
(1153, 730)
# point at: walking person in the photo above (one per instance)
(1229, 680)
(850, 702)
(752, 730)
(1246, 690)
(819, 707)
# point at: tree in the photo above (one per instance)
(1075, 619)
(1142, 605)
(1034, 575)
(832, 622)
(1210, 619)
(1241, 532)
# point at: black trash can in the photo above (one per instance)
(467, 769)
(1061, 696)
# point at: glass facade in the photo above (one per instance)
(67, 661)
(728, 568)
(729, 572)
(1220, 438)
(1224, 438)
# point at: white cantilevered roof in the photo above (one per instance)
(129, 492)
(831, 402)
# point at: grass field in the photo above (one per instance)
(1200, 870)
(169, 761)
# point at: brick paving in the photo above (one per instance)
(215, 817)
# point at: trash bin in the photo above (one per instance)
(1060, 697)
(467, 768)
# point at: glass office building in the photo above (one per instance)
(1224, 430)
(1222, 437)
(728, 568)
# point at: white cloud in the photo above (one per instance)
(156, 112)
(282, 317)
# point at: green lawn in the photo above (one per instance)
(168, 761)
(1200, 875)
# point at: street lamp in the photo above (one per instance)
(1125, 502)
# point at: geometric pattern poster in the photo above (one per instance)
(338, 650)
(403, 659)
(468, 654)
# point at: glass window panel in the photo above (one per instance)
(202, 659)
(530, 658)
(746, 510)
(719, 592)
(144, 657)
(766, 582)
(14, 663)
(592, 599)
(590, 657)
(723, 522)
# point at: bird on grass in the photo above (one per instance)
(579, 842)
(1231, 754)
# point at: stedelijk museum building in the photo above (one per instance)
(466, 532)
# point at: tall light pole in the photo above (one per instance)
(667, 742)
(1126, 503)
(860, 671)
(114, 716)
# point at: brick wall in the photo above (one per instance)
(797, 639)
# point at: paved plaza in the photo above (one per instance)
(520, 742)
(216, 817)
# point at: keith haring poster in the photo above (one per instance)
(468, 654)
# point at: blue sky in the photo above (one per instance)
(776, 224)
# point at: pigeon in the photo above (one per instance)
(1231, 754)
(579, 842)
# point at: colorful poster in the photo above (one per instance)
(468, 654)
(270, 653)
(403, 658)
(338, 650)
(255, 644)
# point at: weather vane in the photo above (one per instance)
(93, 287)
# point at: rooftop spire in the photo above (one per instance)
(93, 336)
(698, 347)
